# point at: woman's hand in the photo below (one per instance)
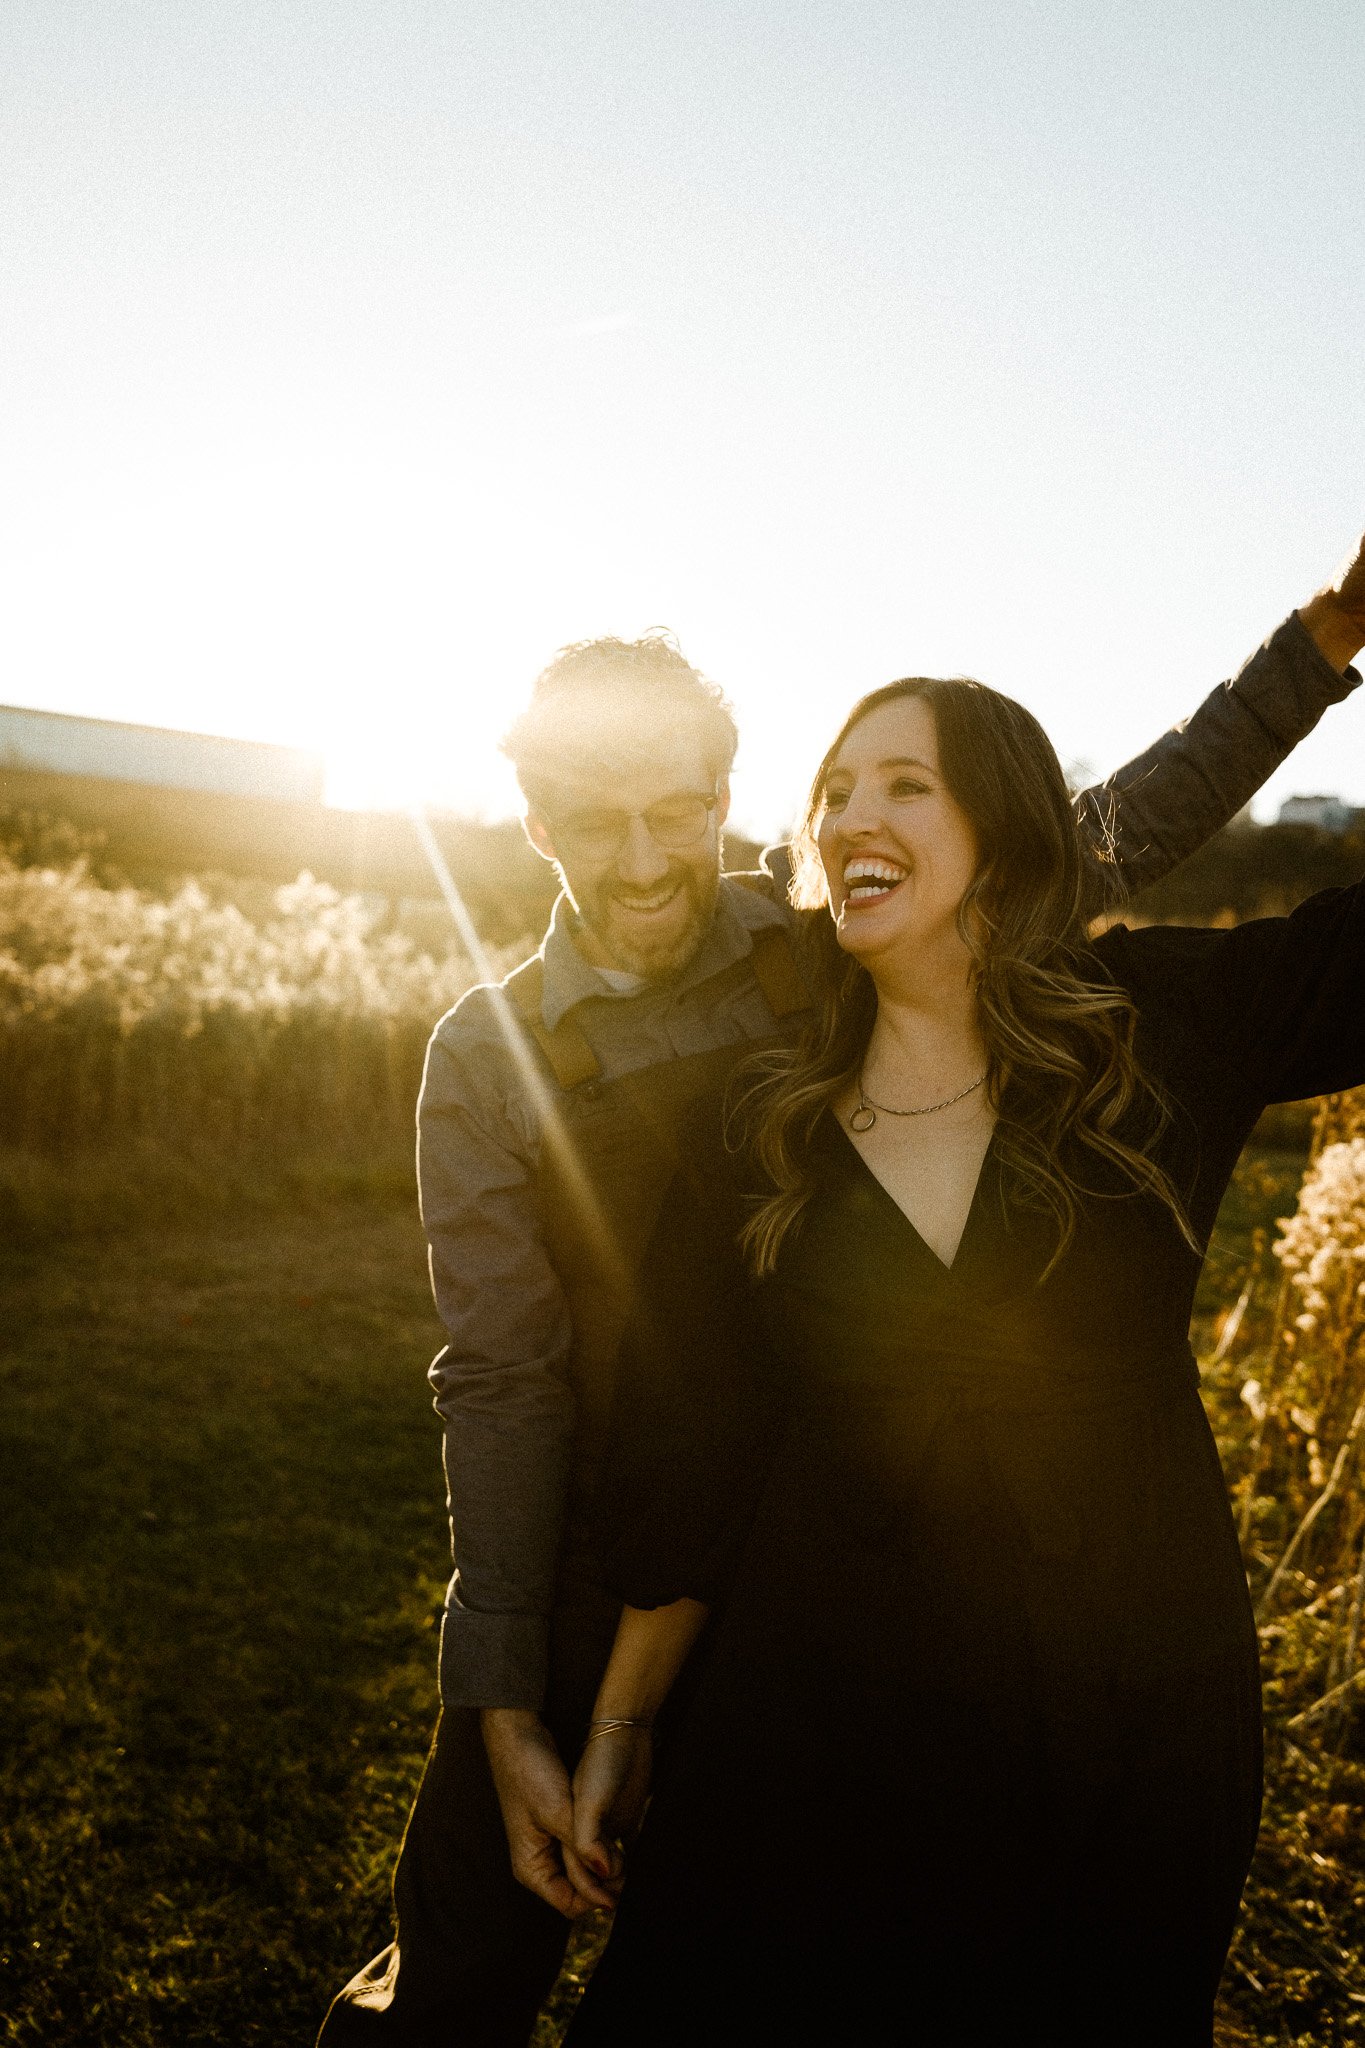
(610, 1791)
(1336, 616)
(611, 1784)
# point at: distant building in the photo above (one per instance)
(162, 804)
(53, 743)
(1328, 813)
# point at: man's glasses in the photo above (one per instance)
(673, 823)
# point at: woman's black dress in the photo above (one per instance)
(972, 1746)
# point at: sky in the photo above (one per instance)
(356, 354)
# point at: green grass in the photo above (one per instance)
(222, 1529)
(224, 1554)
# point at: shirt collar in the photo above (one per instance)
(570, 979)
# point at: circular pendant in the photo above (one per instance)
(863, 1117)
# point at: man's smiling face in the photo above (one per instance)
(643, 907)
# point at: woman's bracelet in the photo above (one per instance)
(609, 1727)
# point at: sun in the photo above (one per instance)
(416, 765)
(372, 777)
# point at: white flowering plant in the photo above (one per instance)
(123, 1012)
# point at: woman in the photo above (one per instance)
(971, 1750)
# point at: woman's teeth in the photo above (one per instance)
(866, 880)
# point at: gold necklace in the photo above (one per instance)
(865, 1115)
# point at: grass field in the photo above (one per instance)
(224, 1556)
(223, 1559)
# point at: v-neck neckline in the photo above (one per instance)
(946, 1269)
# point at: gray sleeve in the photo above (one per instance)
(500, 1385)
(1162, 806)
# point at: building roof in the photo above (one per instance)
(55, 742)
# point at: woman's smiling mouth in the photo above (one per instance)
(868, 879)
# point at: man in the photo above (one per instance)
(546, 1129)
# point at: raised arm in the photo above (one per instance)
(1163, 805)
(1283, 995)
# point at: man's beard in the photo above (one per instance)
(653, 959)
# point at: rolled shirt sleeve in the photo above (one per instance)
(1164, 804)
(500, 1383)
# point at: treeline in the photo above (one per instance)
(1251, 870)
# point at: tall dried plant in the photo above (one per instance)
(1303, 1488)
(181, 1020)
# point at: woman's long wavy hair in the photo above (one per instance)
(1062, 1076)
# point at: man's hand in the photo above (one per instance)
(1336, 616)
(537, 1810)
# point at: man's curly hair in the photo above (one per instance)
(597, 692)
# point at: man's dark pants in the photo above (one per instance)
(476, 1953)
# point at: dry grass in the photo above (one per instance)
(1285, 1386)
(185, 1022)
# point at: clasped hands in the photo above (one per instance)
(568, 1837)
